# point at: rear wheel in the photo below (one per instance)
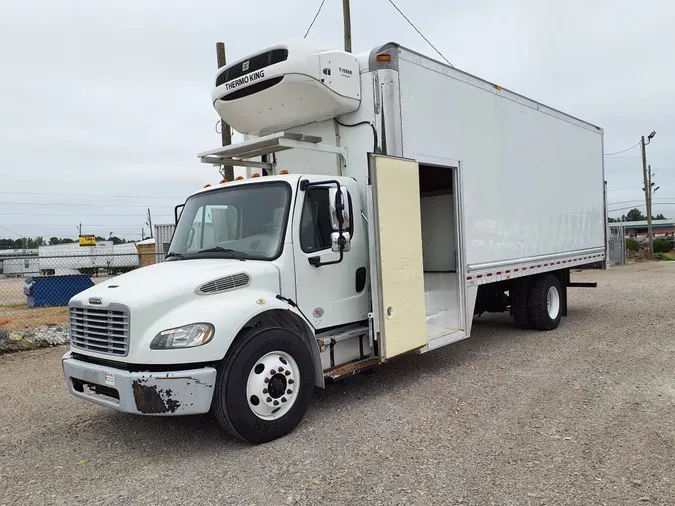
(545, 302)
(519, 293)
(264, 385)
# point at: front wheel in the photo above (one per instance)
(264, 385)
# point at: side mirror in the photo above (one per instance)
(339, 207)
(176, 215)
(340, 242)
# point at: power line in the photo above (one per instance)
(421, 34)
(638, 200)
(622, 151)
(130, 233)
(79, 214)
(49, 225)
(637, 206)
(92, 195)
(11, 231)
(68, 204)
(314, 20)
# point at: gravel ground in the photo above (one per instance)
(583, 415)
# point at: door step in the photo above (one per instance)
(350, 368)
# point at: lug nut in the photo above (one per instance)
(267, 380)
(276, 403)
(288, 373)
(289, 391)
(281, 369)
(269, 399)
(272, 372)
(283, 399)
(264, 390)
(290, 382)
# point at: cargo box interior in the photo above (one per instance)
(439, 250)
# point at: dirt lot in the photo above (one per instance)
(582, 415)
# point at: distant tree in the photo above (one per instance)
(660, 217)
(54, 240)
(117, 240)
(635, 215)
(67, 240)
(39, 241)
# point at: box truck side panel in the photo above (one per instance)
(532, 177)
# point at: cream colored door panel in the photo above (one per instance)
(397, 275)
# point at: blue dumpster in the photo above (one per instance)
(54, 290)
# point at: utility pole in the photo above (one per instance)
(80, 229)
(227, 171)
(150, 223)
(142, 233)
(648, 190)
(347, 17)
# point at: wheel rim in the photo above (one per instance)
(553, 302)
(272, 386)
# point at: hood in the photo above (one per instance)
(166, 281)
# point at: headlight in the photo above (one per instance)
(187, 336)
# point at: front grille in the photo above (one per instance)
(101, 330)
(257, 62)
(225, 284)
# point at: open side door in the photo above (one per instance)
(395, 244)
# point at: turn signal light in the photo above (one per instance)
(206, 185)
(255, 175)
(283, 172)
(224, 181)
(383, 57)
(239, 178)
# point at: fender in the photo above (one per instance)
(283, 313)
(250, 303)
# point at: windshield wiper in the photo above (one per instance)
(179, 256)
(217, 249)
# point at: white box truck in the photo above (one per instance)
(389, 199)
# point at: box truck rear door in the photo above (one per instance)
(395, 239)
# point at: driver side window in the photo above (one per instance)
(315, 222)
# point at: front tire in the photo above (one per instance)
(545, 303)
(264, 385)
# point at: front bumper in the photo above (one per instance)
(185, 392)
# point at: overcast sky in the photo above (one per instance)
(112, 99)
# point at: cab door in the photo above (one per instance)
(331, 289)
(395, 238)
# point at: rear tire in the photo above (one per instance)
(545, 302)
(519, 294)
(258, 417)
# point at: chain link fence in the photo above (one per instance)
(35, 290)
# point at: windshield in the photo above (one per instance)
(244, 221)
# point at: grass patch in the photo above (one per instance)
(665, 256)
